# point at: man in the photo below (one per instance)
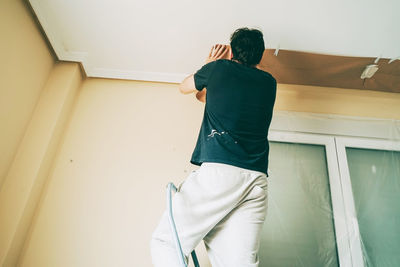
(224, 202)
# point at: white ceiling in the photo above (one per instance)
(164, 40)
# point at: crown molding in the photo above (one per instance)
(55, 43)
(136, 75)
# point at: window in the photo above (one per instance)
(333, 201)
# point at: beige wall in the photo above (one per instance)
(25, 65)
(124, 142)
(28, 172)
(349, 102)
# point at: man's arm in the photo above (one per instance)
(188, 86)
(201, 96)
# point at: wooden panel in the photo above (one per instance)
(291, 67)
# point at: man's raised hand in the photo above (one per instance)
(218, 51)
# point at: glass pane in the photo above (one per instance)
(375, 179)
(298, 230)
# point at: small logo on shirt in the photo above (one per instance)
(214, 132)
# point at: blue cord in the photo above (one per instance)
(181, 256)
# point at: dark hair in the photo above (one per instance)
(247, 46)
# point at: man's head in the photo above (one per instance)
(247, 46)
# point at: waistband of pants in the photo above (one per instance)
(228, 166)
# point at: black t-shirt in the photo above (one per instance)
(237, 115)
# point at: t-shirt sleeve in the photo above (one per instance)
(202, 76)
(274, 85)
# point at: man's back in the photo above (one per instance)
(237, 115)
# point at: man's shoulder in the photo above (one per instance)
(258, 71)
(267, 75)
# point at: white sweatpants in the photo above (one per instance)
(222, 204)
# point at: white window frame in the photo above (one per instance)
(341, 234)
(336, 133)
(352, 223)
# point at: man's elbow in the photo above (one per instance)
(182, 89)
(187, 86)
